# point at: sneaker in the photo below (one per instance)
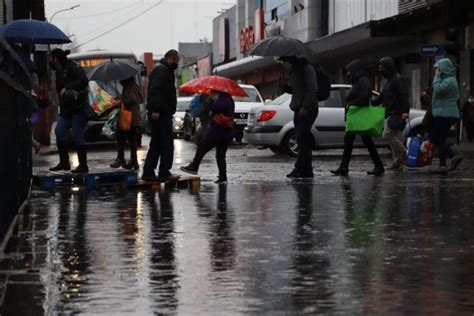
(377, 171)
(171, 178)
(189, 169)
(439, 170)
(295, 174)
(220, 180)
(340, 172)
(455, 162)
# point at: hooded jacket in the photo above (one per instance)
(394, 95)
(303, 86)
(360, 93)
(445, 91)
(162, 90)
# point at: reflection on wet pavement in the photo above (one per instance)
(400, 244)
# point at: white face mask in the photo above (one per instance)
(470, 100)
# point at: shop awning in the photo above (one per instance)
(244, 66)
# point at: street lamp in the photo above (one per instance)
(71, 8)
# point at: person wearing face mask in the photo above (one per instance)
(219, 135)
(359, 95)
(71, 85)
(303, 87)
(394, 97)
(161, 105)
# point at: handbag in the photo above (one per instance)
(222, 120)
(365, 120)
(125, 119)
(396, 122)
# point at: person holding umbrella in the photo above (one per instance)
(131, 98)
(303, 87)
(71, 86)
(220, 134)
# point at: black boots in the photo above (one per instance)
(63, 159)
(82, 156)
(118, 162)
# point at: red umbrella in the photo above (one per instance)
(208, 83)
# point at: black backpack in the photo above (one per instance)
(324, 83)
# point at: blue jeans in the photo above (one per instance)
(438, 135)
(305, 141)
(77, 123)
(161, 147)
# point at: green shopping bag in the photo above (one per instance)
(365, 120)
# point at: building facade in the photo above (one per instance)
(415, 33)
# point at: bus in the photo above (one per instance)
(101, 92)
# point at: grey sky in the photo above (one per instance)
(158, 29)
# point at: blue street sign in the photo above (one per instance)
(432, 49)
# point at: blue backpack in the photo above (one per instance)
(195, 107)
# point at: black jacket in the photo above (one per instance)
(303, 86)
(360, 93)
(72, 77)
(161, 90)
(394, 95)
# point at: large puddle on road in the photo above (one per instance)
(356, 247)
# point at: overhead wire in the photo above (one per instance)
(113, 19)
(120, 25)
(101, 13)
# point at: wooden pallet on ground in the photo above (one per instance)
(47, 180)
(190, 182)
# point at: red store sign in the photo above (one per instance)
(247, 38)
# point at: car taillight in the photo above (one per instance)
(265, 116)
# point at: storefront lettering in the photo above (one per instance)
(247, 38)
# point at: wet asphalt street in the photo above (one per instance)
(402, 243)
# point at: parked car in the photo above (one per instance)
(178, 118)
(271, 125)
(241, 113)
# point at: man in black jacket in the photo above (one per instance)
(71, 86)
(161, 105)
(303, 87)
(394, 97)
(359, 95)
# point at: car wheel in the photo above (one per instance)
(289, 145)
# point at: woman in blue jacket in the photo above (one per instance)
(445, 113)
(219, 135)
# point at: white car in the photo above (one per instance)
(182, 106)
(242, 108)
(271, 125)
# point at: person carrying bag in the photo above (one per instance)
(220, 135)
(361, 119)
(129, 124)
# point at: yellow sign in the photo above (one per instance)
(89, 63)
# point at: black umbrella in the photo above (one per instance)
(114, 70)
(281, 46)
